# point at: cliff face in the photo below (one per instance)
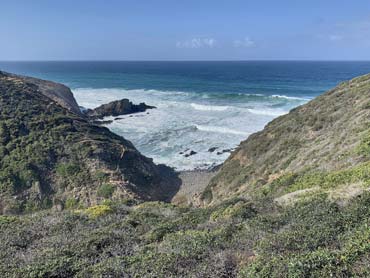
(328, 135)
(50, 155)
(58, 92)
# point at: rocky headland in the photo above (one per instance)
(51, 154)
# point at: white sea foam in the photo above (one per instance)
(202, 107)
(186, 120)
(221, 130)
(267, 112)
(290, 98)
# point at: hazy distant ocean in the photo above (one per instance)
(200, 105)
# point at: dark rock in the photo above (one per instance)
(117, 108)
(96, 122)
(184, 151)
(190, 153)
(211, 150)
(116, 119)
(224, 151)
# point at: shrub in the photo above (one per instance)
(96, 211)
(72, 203)
(101, 176)
(158, 233)
(239, 210)
(106, 190)
(5, 219)
(67, 169)
(188, 243)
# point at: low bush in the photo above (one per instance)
(96, 211)
(67, 170)
(106, 190)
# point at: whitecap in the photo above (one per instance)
(202, 107)
(290, 98)
(219, 129)
(267, 112)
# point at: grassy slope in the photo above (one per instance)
(238, 238)
(323, 143)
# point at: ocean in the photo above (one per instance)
(205, 108)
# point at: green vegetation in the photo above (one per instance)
(315, 238)
(325, 180)
(364, 147)
(106, 190)
(96, 211)
(66, 170)
(5, 219)
(238, 209)
(72, 203)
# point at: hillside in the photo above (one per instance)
(291, 201)
(51, 156)
(320, 146)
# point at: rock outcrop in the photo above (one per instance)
(52, 155)
(60, 93)
(117, 108)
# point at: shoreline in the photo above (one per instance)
(193, 183)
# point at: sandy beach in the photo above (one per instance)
(193, 183)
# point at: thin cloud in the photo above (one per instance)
(246, 42)
(197, 43)
(335, 37)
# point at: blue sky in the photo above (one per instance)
(185, 30)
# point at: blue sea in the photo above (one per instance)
(200, 105)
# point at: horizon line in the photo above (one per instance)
(231, 60)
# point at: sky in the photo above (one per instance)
(185, 30)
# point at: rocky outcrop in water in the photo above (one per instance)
(117, 108)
